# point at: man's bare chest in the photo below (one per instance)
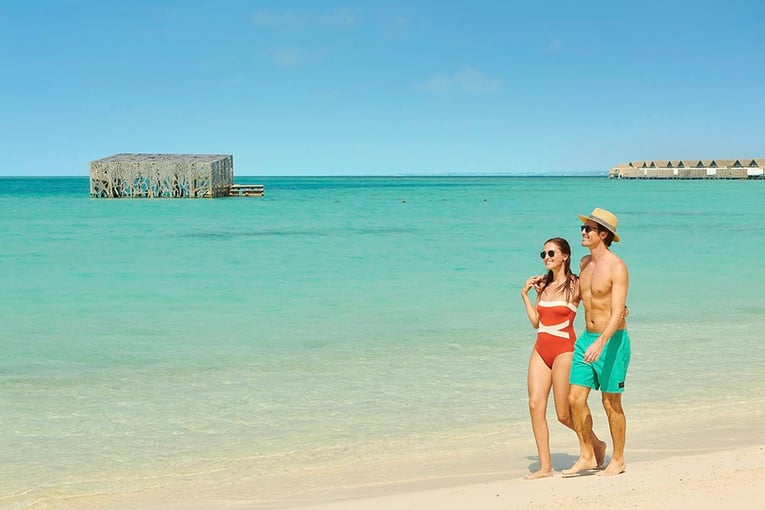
(595, 283)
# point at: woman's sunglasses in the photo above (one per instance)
(549, 253)
(588, 229)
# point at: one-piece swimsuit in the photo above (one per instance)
(555, 334)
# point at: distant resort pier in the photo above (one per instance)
(167, 176)
(690, 169)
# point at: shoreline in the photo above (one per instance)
(720, 456)
(718, 462)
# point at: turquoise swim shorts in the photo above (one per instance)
(609, 371)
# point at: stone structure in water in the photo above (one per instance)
(162, 176)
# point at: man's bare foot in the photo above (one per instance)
(615, 467)
(542, 473)
(600, 453)
(582, 464)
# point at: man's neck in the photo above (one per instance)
(599, 251)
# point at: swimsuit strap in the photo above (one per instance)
(550, 304)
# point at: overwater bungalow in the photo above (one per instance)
(745, 168)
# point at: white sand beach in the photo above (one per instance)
(722, 479)
(708, 467)
(718, 462)
(728, 479)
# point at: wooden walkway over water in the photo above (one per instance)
(246, 190)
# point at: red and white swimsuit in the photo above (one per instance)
(555, 334)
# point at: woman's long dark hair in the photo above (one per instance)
(565, 249)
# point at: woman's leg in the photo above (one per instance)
(539, 383)
(560, 385)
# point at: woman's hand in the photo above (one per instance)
(534, 282)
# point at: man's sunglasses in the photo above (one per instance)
(588, 229)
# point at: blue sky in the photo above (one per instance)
(381, 87)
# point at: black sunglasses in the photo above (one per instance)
(588, 229)
(549, 253)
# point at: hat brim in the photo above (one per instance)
(602, 224)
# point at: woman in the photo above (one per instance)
(553, 317)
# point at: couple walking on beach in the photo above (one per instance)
(598, 359)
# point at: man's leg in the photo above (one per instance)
(580, 413)
(617, 422)
(561, 388)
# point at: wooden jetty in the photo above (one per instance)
(167, 176)
(746, 168)
(246, 190)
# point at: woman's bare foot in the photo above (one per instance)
(542, 473)
(615, 467)
(582, 464)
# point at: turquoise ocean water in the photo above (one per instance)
(338, 322)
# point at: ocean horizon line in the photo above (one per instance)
(357, 176)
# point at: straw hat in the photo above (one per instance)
(605, 219)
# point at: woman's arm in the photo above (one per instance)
(531, 310)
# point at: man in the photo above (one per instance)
(602, 351)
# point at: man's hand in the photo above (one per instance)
(592, 353)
